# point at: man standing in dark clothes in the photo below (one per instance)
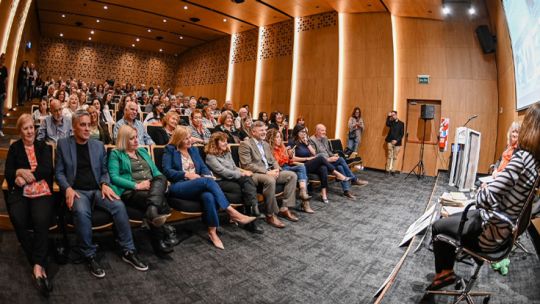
(393, 140)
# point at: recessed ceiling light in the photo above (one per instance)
(149, 30)
(181, 37)
(133, 45)
(137, 39)
(97, 20)
(89, 38)
(185, 7)
(472, 11)
(164, 20)
(61, 35)
(63, 16)
(224, 19)
(161, 50)
(92, 32)
(105, 7)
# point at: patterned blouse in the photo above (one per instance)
(187, 164)
(506, 195)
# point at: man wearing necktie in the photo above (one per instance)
(256, 156)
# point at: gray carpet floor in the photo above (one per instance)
(341, 254)
(520, 285)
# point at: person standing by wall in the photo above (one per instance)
(356, 128)
(3, 89)
(393, 140)
(22, 82)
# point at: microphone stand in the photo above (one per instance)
(470, 118)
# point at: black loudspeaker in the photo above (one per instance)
(487, 41)
(427, 112)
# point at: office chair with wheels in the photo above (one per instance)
(464, 288)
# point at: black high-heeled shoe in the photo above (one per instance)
(43, 285)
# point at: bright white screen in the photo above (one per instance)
(523, 18)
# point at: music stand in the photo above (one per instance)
(420, 165)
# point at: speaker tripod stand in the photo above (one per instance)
(419, 170)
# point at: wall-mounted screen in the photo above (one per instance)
(522, 17)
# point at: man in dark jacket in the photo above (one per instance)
(393, 140)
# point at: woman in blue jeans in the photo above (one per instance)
(192, 180)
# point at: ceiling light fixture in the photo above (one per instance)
(61, 35)
(137, 39)
(224, 19)
(472, 10)
(105, 7)
(164, 20)
(97, 20)
(89, 38)
(185, 7)
(161, 50)
(92, 32)
(63, 16)
(181, 37)
(133, 45)
(149, 30)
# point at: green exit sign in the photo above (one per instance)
(423, 79)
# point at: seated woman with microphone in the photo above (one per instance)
(138, 182)
(507, 195)
(29, 175)
(192, 180)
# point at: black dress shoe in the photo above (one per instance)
(170, 235)
(160, 247)
(254, 228)
(42, 285)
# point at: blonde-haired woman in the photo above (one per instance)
(226, 125)
(72, 106)
(29, 175)
(138, 182)
(512, 144)
(192, 180)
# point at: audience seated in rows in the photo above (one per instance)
(161, 134)
(55, 126)
(199, 133)
(226, 125)
(130, 115)
(98, 129)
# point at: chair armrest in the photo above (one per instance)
(503, 218)
(462, 221)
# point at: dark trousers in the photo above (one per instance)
(244, 185)
(22, 95)
(31, 213)
(320, 166)
(155, 196)
(206, 190)
(445, 254)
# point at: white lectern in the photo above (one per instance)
(465, 156)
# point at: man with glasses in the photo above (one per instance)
(55, 126)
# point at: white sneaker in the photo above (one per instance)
(1, 134)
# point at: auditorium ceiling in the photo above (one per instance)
(173, 26)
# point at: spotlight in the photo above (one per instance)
(446, 10)
(472, 10)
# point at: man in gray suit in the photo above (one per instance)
(81, 171)
(256, 156)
